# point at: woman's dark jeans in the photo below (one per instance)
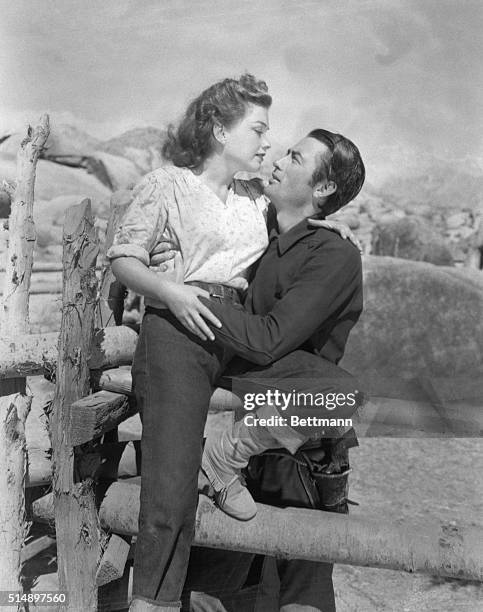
(174, 374)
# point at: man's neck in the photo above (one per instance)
(288, 218)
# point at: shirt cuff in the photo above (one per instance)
(128, 250)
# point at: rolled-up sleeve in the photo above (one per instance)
(143, 223)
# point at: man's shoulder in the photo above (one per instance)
(326, 239)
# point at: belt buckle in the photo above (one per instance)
(215, 292)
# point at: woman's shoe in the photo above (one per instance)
(223, 458)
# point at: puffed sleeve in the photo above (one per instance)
(143, 223)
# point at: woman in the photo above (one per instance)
(217, 225)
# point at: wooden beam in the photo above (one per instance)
(438, 550)
(32, 549)
(76, 522)
(96, 414)
(380, 417)
(119, 380)
(32, 354)
(113, 560)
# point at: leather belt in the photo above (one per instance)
(218, 290)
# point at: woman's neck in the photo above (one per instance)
(215, 173)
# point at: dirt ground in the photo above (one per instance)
(398, 479)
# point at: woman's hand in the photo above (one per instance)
(183, 302)
(342, 229)
(162, 253)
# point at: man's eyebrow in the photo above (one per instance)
(295, 153)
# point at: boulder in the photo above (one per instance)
(53, 180)
(391, 217)
(122, 172)
(63, 140)
(419, 320)
(140, 145)
(411, 238)
(458, 220)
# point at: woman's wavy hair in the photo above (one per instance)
(343, 166)
(224, 102)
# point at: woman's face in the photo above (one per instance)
(246, 141)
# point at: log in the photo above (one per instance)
(39, 467)
(20, 251)
(14, 320)
(96, 414)
(76, 522)
(13, 529)
(30, 550)
(33, 354)
(119, 380)
(111, 293)
(313, 535)
(45, 266)
(113, 560)
(392, 417)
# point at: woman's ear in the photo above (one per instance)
(219, 132)
(324, 190)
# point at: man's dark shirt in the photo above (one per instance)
(306, 294)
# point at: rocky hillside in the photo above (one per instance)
(77, 165)
(424, 209)
(430, 210)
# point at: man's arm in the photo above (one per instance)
(327, 282)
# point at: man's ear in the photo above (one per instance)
(324, 190)
(219, 132)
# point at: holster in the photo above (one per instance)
(316, 476)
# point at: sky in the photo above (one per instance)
(393, 75)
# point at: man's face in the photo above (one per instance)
(290, 183)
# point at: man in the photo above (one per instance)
(304, 299)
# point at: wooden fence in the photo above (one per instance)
(95, 513)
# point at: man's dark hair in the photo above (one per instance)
(343, 166)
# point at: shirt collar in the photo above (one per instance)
(296, 233)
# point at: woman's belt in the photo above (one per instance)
(218, 290)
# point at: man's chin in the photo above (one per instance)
(270, 189)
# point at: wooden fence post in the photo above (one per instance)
(14, 320)
(76, 519)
